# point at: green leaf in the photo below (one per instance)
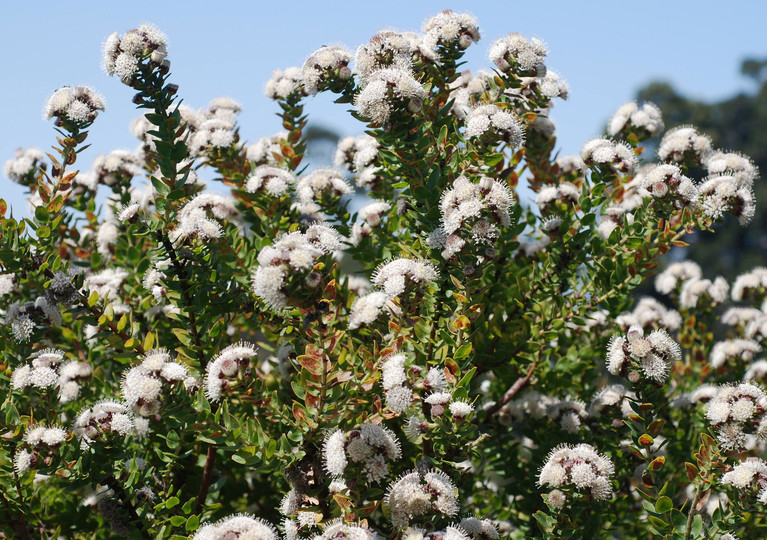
(192, 523)
(678, 519)
(160, 186)
(177, 521)
(463, 351)
(122, 322)
(663, 505)
(44, 232)
(697, 525)
(93, 298)
(173, 501)
(271, 448)
(658, 523)
(183, 336)
(41, 213)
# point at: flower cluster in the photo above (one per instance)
(231, 366)
(451, 29)
(284, 83)
(471, 208)
(749, 475)
(371, 446)
(193, 220)
(274, 181)
(490, 124)
(577, 467)
(325, 68)
(388, 90)
(614, 156)
(24, 319)
(721, 194)
(649, 313)
(215, 128)
(39, 444)
(735, 410)
(359, 155)
(295, 251)
(667, 183)
(416, 494)
(237, 526)
(515, 52)
(78, 104)
(48, 371)
(752, 284)
(684, 144)
(124, 54)
(653, 355)
(23, 168)
(142, 385)
(320, 187)
(646, 121)
(733, 349)
(105, 419)
(393, 277)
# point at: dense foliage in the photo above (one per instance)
(451, 361)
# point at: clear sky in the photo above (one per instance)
(605, 49)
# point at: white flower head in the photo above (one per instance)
(122, 54)
(325, 67)
(237, 526)
(494, 124)
(79, 104)
(682, 143)
(579, 466)
(389, 90)
(284, 83)
(646, 120)
(616, 156)
(448, 28)
(515, 51)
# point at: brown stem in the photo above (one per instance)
(207, 475)
(123, 496)
(513, 391)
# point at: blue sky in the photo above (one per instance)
(605, 49)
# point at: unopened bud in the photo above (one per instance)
(415, 105)
(312, 280)
(464, 41)
(171, 89)
(229, 367)
(344, 73)
(635, 332)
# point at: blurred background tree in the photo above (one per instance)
(738, 123)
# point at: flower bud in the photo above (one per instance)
(414, 105)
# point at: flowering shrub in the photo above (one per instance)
(452, 361)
